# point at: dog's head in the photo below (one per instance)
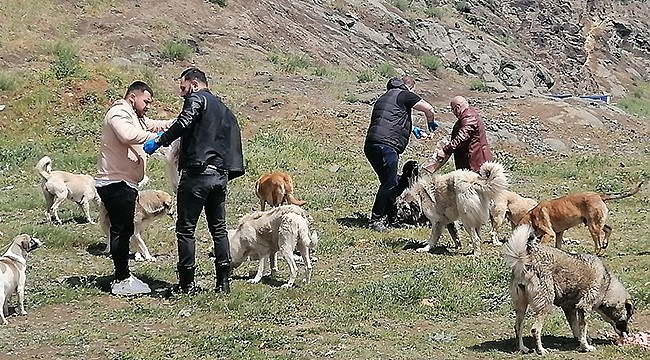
(408, 207)
(156, 201)
(617, 307)
(25, 244)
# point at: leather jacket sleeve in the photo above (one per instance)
(465, 131)
(191, 111)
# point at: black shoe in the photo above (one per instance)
(379, 226)
(222, 283)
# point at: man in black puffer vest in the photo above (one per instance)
(388, 134)
(211, 155)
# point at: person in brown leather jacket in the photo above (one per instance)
(468, 139)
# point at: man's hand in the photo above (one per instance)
(151, 146)
(419, 132)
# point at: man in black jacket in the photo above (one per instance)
(211, 154)
(388, 134)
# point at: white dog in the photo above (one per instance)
(60, 185)
(151, 205)
(171, 155)
(12, 272)
(459, 195)
(283, 229)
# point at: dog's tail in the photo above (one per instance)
(621, 195)
(494, 179)
(516, 250)
(44, 167)
(293, 201)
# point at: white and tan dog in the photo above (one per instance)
(262, 233)
(151, 205)
(508, 205)
(12, 272)
(60, 185)
(459, 195)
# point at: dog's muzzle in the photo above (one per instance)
(34, 243)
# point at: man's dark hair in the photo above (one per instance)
(194, 74)
(138, 86)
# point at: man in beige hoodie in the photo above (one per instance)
(120, 167)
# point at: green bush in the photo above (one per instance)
(67, 64)
(294, 63)
(401, 4)
(275, 57)
(463, 6)
(387, 70)
(175, 50)
(435, 11)
(351, 97)
(479, 85)
(431, 62)
(365, 76)
(7, 82)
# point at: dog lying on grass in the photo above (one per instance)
(150, 205)
(12, 273)
(58, 186)
(262, 233)
(544, 276)
(552, 218)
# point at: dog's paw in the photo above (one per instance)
(424, 249)
(524, 350)
(254, 280)
(21, 312)
(286, 286)
(586, 348)
(542, 351)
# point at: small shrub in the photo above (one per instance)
(274, 57)
(463, 6)
(351, 97)
(294, 63)
(436, 12)
(67, 64)
(322, 71)
(387, 70)
(221, 3)
(479, 85)
(7, 82)
(175, 50)
(402, 5)
(431, 62)
(365, 76)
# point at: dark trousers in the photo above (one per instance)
(384, 160)
(199, 189)
(119, 200)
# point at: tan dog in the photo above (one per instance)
(151, 205)
(275, 189)
(60, 185)
(262, 233)
(508, 205)
(552, 217)
(544, 276)
(459, 195)
(12, 272)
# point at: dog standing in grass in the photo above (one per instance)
(60, 185)
(12, 272)
(275, 189)
(543, 276)
(552, 218)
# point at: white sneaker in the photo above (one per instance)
(130, 286)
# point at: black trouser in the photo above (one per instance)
(198, 189)
(119, 200)
(383, 160)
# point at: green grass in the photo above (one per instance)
(431, 62)
(369, 298)
(638, 102)
(437, 12)
(478, 85)
(67, 65)
(387, 70)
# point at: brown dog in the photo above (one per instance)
(276, 188)
(552, 217)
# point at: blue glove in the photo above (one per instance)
(433, 125)
(418, 132)
(151, 146)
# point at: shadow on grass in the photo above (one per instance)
(552, 343)
(410, 244)
(356, 220)
(266, 280)
(159, 288)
